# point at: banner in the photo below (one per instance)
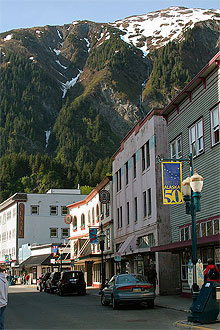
(172, 182)
(7, 260)
(55, 250)
(93, 237)
(21, 220)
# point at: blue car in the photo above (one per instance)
(128, 288)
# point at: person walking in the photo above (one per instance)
(152, 276)
(211, 273)
(3, 298)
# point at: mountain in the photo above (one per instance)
(72, 92)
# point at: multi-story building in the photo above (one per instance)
(86, 214)
(34, 218)
(193, 120)
(140, 219)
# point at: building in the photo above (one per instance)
(193, 127)
(87, 214)
(34, 218)
(140, 219)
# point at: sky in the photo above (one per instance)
(15, 14)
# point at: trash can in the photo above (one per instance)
(206, 307)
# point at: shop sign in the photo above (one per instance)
(199, 273)
(21, 220)
(172, 182)
(117, 257)
(93, 235)
(68, 219)
(104, 196)
(190, 273)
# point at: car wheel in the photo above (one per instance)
(115, 304)
(104, 302)
(150, 303)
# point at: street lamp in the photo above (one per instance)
(192, 187)
(101, 239)
(61, 253)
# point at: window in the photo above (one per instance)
(53, 210)
(93, 216)
(196, 138)
(143, 158)
(134, 165)
(74, 223)
(65, 232)
(149, 202)
(128, 214)
(119, 179)
(135, 210)
(8, 215)
(53, 232)
(89, 218)
(121, 216)
(64, 210)
(148, 153)
(107, 209)
(176, 148)
(118, 217)
(34, 209)
(144, 204)
(108, 239)
(215, 126)
(126, 173)
(83, 221)
(97, 213)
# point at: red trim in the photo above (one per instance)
(79, 236)
(203, 81)
(177, 107)
(200, 221)
(189, 94)
(218, 63)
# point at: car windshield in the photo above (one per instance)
(130, 279)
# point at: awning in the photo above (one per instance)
(128, 245)
(177, 246)
(32, 261)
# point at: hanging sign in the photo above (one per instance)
(190, 273)
(104, 196)
(7, 259)
(199, 273)
(117, 256)
(55, 250)
(93, 235)
(68, 219)
(21, 220)
(172, 182)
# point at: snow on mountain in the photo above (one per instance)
(156, 29)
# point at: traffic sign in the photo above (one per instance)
(117, 256)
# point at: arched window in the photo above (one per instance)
(97, 213)
(89, 218)
(93, 216)
(74, 223)
(82, 221)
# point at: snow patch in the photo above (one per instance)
(58, 62)
(88, 44)
(58, 32)
(56, 51)
(9, 37)
(69, 84)
(47, 137)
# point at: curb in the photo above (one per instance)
(189, 325)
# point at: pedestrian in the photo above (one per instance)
(211, 273)
(152, 275)
(3, 298)
(27, 278)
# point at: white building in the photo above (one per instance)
(86, 214)
(140, 219)
(34, 218)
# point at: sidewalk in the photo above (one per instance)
(176, 303)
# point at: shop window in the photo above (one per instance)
(53, 210)
(184, 264)
(34, 209)
(209, 229)
(215, 126)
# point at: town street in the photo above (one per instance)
(31, 309)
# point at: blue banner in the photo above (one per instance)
(172, 182)
(93, 235)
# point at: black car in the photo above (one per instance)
(71, 282)
(43, 281)
(51, 283)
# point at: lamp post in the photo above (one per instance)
(192, 187)
(61, 255)
(101, 238)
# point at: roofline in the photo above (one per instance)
(93, 193)
(213, 63)
(136, 128)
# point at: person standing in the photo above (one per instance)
(152, 275)
(3, 298)
(211, 273)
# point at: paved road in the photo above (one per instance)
(31, 309)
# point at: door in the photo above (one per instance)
(89, 273)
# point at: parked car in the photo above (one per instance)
(43, 281)
(71, 282)
(51, 283)
(128, 288)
